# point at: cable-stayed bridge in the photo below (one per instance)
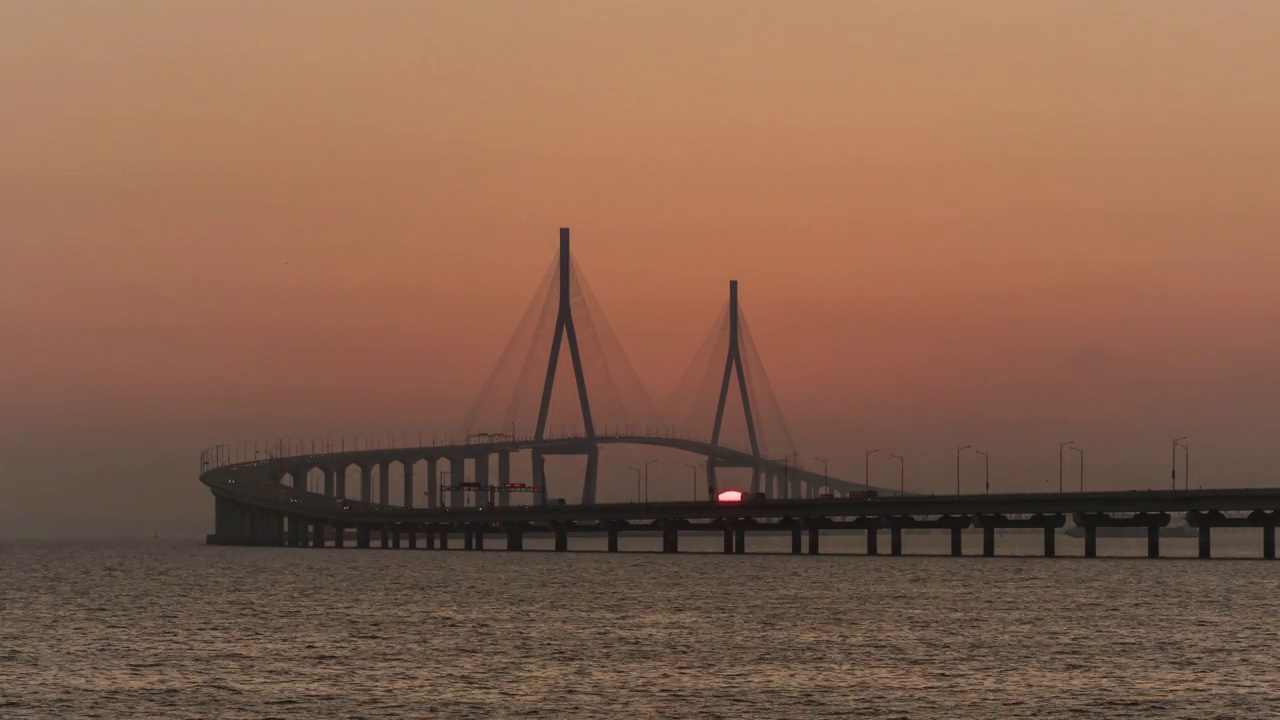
(564, 387)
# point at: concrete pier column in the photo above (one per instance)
(299, 476)
(384, 537)
(562, 540)
(329, 487)
(1269, 542)
(412, 532)
(1090, 541)
(813, 540)
(339, 535)
(957, 542)
(739, 540)
(444, 538)
(873, 541)
(340, 476)
(1153, 541)
(294, 537)
(795, 539)
(366, 483)
(407, 464)
(515, 539)
(504, 477)
(395, 537)
(362, 536)
(613, 540)
(317, 534)
(895, 541)
(1204, 541)
(457, 474)
(481, 463)
(670, 539)
(429, 533)
(384, 483)
(728, 541)
(433, 484)
(468, 539)
(988, 541)
(1050, 542)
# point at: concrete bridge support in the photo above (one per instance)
(988, 541)
(1269, 542)
(873, 541)
(1205, 537)
(366, 483)
(1091, 541)
(412, 532)
(957, 542)
(739, 540)
(317, 534)
(670, 539)
(407, 464)
(504, 478)
(813, 539)
(562, 539)
(468, 539)
(481, 463)
(339, 535)
(1050, 542)
(613, 540)
(479, 544)
(795, 539)
(433, 484)
(384, 483)
(329, 487)
(728, 541)
(362, 536)
(895, 541)
(1153, 541)
(340, 474)
(395, 537)
(515, 538)
(457, 475)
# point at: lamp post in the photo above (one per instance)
(986, 468)
(1173, 461)
(826, 482)
(1081, 452)
(636, 470)
(695, 480)
(902, 475)
(647, 463)
(1061, 447)
(958, 451)
(866, 468)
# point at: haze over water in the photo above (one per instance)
(177, 631)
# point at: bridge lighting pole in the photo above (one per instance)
(866, 468)
(958, 451)
(826, 481)
(902, 475)
(1078, 450)
(646, 478)
(1173, 461)
(986, 468)
(1061, 447)
(695, 480)
(636, 470)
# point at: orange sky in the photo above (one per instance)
(999, 223)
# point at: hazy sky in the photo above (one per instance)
(1006, 224)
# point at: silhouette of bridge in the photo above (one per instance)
(266, 498)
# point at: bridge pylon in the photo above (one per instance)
(565, 330)
(732, 366)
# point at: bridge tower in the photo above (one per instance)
(732, 366)
(565, 330)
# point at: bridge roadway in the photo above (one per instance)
(254, 508)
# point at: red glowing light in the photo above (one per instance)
(730, 496)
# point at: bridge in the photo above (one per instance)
(264, 495)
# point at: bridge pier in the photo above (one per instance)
(957, 542)
(515, 538)
(739, 540)
(1205, 542)
(444, 538)
(384, 537)
(895, 541)
(1269, 542)
(1091, 541)
(412, 531)
(317, 534)
(339, 535)
(395, 537)
(468, 539)
(813, 539)
(294, 538)
(457, 474)
(366, 483)
(481, 464)
(362, 536)
(728, 541)
(670, 539)
(407, 465)
(504, 477)
(384, 483)
(988, 541)
(795, 539)
(340, 475)
(613, 540)
(1050, 542)
(328, 482)
(433, 485)
(479, 537)
(562, 539)
(1153, 541)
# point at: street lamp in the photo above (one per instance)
(902, 474)
(695, 480)
(958, 451)
(826, 482)
(1173, 472)
(636, 470)
(647, 463)
(1081, 467)
(1061, 447)
(986, 467)
(866, 468)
